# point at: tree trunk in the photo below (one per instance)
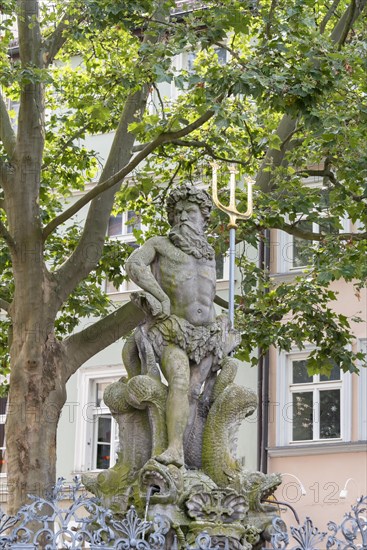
(37, 375)
(37, 395)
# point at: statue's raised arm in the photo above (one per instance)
(138, 268)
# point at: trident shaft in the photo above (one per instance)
(234, 215)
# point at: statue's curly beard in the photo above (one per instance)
(186, 237)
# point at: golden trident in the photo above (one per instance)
(233, 214)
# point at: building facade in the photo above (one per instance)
(317, 425)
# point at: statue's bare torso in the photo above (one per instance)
(185, 283)
(189, 282)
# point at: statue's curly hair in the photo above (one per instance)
(192, 194)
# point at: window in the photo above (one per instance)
(316, 403)
(222, 267)
(295, 253)
(105, 436)
(127, 285)
(311, 408)
(122, 227)
(97, 431)
(123, 224)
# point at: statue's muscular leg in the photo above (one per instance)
(176, 369)
(198, 375)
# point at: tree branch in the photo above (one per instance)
(209, 149)
(90, 246)
(121, 174)
(31, 122)
(311, 236)
(221, 302)
(161, 103)
(4, 304)
(334, 181)
(275, 157)
(270, 17)
(329, 15)
(233, 52)
(52, 45)
(349, 19)
(29, 32)
(4, 233)
(84, 344)
(7, 134)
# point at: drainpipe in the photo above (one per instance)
(263, 374)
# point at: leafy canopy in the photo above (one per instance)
(281, 60)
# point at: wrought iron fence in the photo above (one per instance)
(85, 523)
(47, 523)
(351, 534)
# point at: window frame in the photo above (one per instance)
(286, 241)
(102, 411)
(225, 268)
(284, 417)
(126, 286)
(285, 262)
(125, 234)
(87, 411)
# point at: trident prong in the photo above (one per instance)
(231, 209)
(233, 214)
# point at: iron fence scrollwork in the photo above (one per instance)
(351, 534)
(85, 523)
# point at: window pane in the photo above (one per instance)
(300, 375)
(104, 429)
(115, 225)
(2, 434)
(302, 416)
(219, 261)
(133, 221)
(3, 401)
(329, 414)
(302, 255)
(334, 375)
(103, 456)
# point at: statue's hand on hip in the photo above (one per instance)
(165, 310)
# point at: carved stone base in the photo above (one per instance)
(192, 502)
